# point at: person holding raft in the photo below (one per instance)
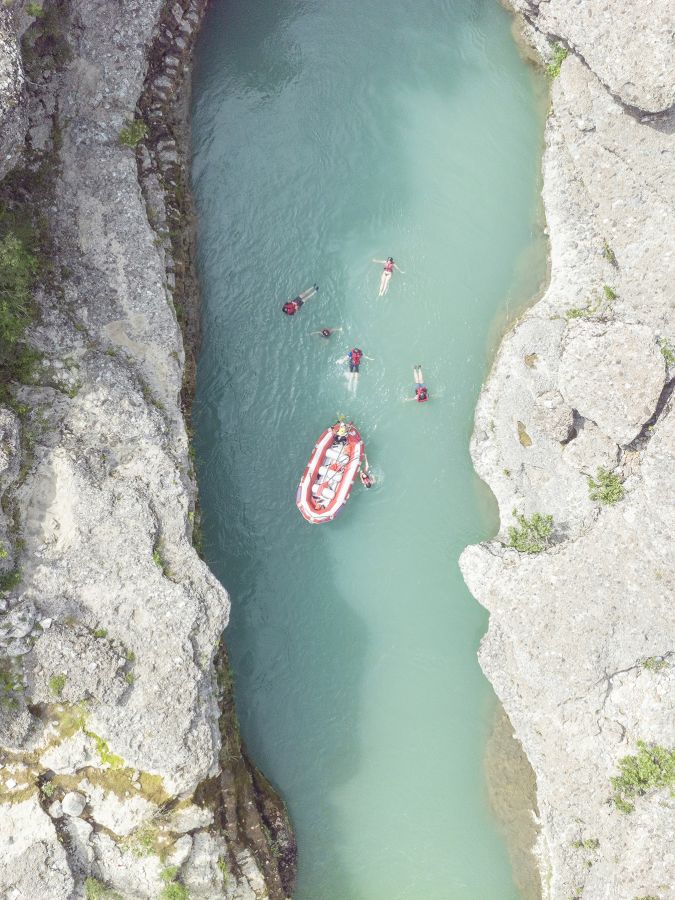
(290, 307)
(367, 479)
(389, 266)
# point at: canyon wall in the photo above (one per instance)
(121, 768)
(581, 641)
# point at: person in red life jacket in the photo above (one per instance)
(389, 266)
(354, 357)
(290, 307)
(421, 392)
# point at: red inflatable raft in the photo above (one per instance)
(327, 481)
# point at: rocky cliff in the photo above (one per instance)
(576, 422)
(121, 770)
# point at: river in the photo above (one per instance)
(326, 134)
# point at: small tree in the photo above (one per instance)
(651, 768)
(533, 534)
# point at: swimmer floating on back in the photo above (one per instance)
(421, 391)
(290, 307)
(354, 358)
(389, 266)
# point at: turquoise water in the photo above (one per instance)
(325, 134)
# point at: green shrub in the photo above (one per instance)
(654, 663)
(606, 489)
(651, 768)
(172, 890)
(133, 133)
(101, 633)
(35, 10)
(532, 535)
(169, 874)
(48, 788)
(667, 352)
(57, 684)
(610, 294)
(559, 54)
(608, 254)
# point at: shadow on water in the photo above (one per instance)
(271, 655)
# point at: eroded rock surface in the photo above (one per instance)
(110, 725)
(581, 642)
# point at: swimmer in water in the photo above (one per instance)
(290, 307)
(389, 266)
(421, 392)
(326, 332)
(367, 479)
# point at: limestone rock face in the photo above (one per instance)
(581, 641)
(34, 863)
(109, 714)
(13, 114)
(634, 60)
(612, 375)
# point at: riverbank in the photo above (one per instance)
(580, 641)
(113, 769)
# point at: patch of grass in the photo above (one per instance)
(532, 535)
(654, 663)
(651, 768)
(610, 293)
(159, 559)
(224, 869)
(169, 874)
(103, 750)
(559, 55)
(10, 580)
(667, 352)
(129, 677)
(101, 633)
(142, 841)
(174, 891)
(133, 133)
(18, 269)
(97, 890)
(35, 10)
(57, 684)
(587, 844)
(606, 489)
(608, 254)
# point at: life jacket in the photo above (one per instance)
(422, 394)
(355, 356)
(389, 266)
(290, 307)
